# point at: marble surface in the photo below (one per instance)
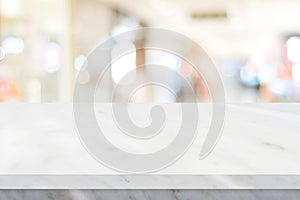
(259, 148)
(150, 194)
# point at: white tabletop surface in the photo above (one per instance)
(39, 147)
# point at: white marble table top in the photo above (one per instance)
(259, 148)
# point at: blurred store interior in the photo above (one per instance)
(254, 43)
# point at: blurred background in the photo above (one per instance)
(254, 43)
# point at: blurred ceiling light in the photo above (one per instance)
(52, 57)
(13, 45)
(293, 49)
(2, 53)
(296, 73)
(80, 62)
(10, 8)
